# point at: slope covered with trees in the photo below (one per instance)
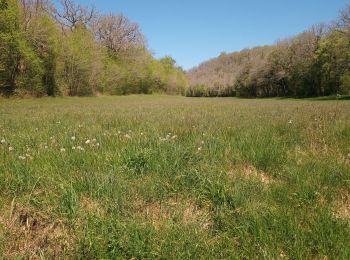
(70, 49)
(313, 63)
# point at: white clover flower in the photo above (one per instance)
(94, 140)
(174, 137)
(87, 142)
(290, 122)
(141, 133)
(3, 141)
(46, 147)
(73, 148)
(98, 144)
(119, 132)
(202, 142)
(21, 157)
(199, 149)
(63, 150)
(73, 138)
(80, 148)
(127, 136)
(11, 148)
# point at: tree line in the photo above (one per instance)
(313, 63)
(49, 49)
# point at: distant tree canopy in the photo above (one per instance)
(313, 63)
(70, 49)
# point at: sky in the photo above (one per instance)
(193, 31)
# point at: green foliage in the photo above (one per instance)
(40, 57)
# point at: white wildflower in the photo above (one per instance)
(87, 142)
(73, 138)
(94, 140)
(63, 150)
(73, 148)
(127, 136)
(21, 157)
(290, 122)
(3, 141)
(199, 149)
(11, 148)
(46, 147)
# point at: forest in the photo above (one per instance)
(313, 63)
(69, 49)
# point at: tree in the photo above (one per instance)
(72, 15)
(118, 34)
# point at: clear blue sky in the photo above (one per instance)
(193, 31)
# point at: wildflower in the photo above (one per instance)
(80, 126)
(87, 142)
(199, 149)
(119, 132)
(141, 133)
(73, 138)
(174, 137)
(11, 148)
(202, 142)
(46, 147)
(21, 157)
(80, 148)
(3, 141)
(290, 122)
(94, 140)
(98, 144)
(127, 136)
(73, 148)
(63, 150)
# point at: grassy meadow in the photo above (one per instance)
(174, 178)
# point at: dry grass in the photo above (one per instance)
(342, 207)
(179, 211)
(250, 172)
(33, 235)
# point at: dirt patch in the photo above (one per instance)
(179, 211)
(31, 235)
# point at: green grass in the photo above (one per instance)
(173, 177)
